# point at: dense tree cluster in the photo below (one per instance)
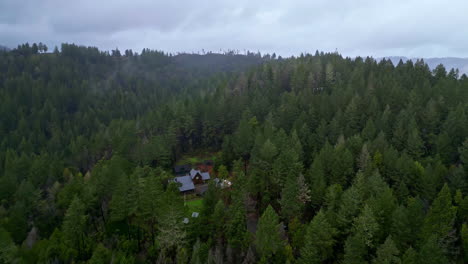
(332, 159)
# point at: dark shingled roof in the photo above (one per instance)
(186, 183)
(205, 175)
(182, 169)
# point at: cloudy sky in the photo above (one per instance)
(414, 28)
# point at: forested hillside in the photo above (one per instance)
(331, 159)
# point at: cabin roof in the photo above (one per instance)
(186, 181)
(204, 175)
(182, 168)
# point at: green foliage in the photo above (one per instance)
(410, 257)
(171, 232)
(431, 252)
(319, 241)
(268, 240)
(290, 204)
(464, 237)
(317, 182)
(441, 216)
(223, 172)
(8, 248)
(236, 230)
(387, 253)
(100, 255)
(88, 139)
(73, 228)
(463, 150)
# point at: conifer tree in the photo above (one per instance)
(414, 144)
(150, 206)
(441, 216)
(464, 238)
(74, 224)
(410, 256)
(355, 249)
(268, 241)
(317, 183)
(319, 240)
(236, 227)
(171, 233)
(290, 204)
(387, 253)
(8, 249)
(431, 252)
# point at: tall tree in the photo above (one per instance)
(387, 253)
(74, 226)
(439, 222)
(268, 240)
(319, 240)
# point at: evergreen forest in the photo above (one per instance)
(332, 159)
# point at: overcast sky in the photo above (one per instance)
(414, 28)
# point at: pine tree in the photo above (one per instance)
(268, 241)
(290, 204)
(218, 219)
(319, 240)
(441, 216)
(464, 238)
(387, 253)
(243, 138)
(8, 249)
(351, 202)
(353, 117)
(342, 166)
(171, 232)
(431, 252)
(317, 183)
(415, 213)
(74, 224)
(196, 258)
(100, 255)
(121, 205)
(414, 144)
(369, 131)
(400, 227)
(383, 204)
(355, 249)
(236, 228)
(304, 191)
(150, 206)
(366, 225)
(287, 165)
(223, 172)
(400, 135)
(463, 150)
(364, 159)
(410, 256)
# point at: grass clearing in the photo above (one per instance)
(194, 205)
(197, 157)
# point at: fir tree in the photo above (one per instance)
(268, 241)
(387, 253)
(74, 224)
(319, 240)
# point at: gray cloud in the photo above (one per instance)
(354, 27)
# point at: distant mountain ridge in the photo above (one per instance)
(449, 62)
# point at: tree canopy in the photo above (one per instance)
(331, 159)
